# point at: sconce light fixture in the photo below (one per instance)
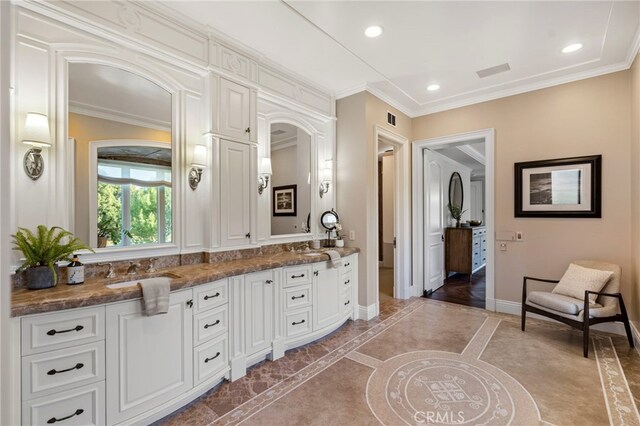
(198, 164)
(38, 136)
(265, 173)
(326, 180)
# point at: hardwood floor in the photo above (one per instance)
(457, 289)
(386, 284)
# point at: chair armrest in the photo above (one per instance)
(601, 293)
(524, 285)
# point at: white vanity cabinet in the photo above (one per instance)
(150, 358)
(237, 107)
(258, 312)
(235, 193)
(327, 292)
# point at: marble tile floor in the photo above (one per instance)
(429, 362)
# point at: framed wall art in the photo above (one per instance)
(564, 187)
(284, 200)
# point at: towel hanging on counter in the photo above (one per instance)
(155, 295)
(334, 257)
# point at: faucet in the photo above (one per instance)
(152, 268)
(133, 268)
(110, 272)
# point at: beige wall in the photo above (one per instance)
(85, 129)
(356, 166)
(587, 117)
(635, 190)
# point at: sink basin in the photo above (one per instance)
(144, 278)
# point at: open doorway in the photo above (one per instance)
(386, 221)
(455, 262)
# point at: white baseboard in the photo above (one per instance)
(368, 312)
(515, 308)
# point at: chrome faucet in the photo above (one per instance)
(152, 267)
(133, 268)
(110, 272)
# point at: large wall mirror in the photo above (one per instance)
(291, 180)
(120, 127)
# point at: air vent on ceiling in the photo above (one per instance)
(391, 119)
(493, 70)
(277, 132)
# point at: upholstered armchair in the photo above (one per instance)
(580, 313)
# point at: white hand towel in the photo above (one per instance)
(155, 294)
(334, 256)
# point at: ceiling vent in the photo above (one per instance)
(391, 119)
(493, 70)
(277, 132)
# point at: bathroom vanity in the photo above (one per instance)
(104, 362)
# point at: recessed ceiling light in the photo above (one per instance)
(373, 31)
(572, 48)
(433, 87)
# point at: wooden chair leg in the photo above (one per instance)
(585, 338)
(524, 316)
(625, 320)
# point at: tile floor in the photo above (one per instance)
(424, 361)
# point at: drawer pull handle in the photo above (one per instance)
(78, 366)
(54, 332)
(347, 282)
(297, 276)
(53, 420)
(298, 323)
(207, 297)
(269, 281)
(297, 297)
(315, 273)
(347, 264)
(347, 302)
(211, 325)
(212, 358)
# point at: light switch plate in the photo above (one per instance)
(503, 246)
(352, 235)
(505, 236)
(519, 236)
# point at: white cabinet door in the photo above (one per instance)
(235, 205)
(327, 292)
(149, 359)
(235, 110)
(258, 307)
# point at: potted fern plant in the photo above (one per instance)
(42, 250)
(456, 213)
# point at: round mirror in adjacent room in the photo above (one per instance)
(456, 192)
(329, 220)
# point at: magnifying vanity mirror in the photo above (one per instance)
(120, 128)
(290, 180)
(329, 220)
(456, 192)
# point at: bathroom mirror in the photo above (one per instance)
(329, 220)
(120, 129)
(290, 180)
(456, 194)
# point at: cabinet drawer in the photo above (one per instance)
(346, 302)
(81, 406)
(297, 297)
(298, 275)
(347, 264)
(209, 359)
(346, 279)
(210, 324)
(298, 323)
(208, 296)
(49, 372)
(62, 330)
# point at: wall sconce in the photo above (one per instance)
(326, 181)
(265, 173)
(198, 164)
(38, 136)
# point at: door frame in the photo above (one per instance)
(402, 288)
(488, 135)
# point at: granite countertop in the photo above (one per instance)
(94, 290)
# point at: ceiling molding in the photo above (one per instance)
(118, 116)
(473, 153)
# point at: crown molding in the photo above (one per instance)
(118, 116)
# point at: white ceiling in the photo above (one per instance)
(470, 155)
(428, 42)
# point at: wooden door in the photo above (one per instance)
(235, 197)
(149, 359)
(434, 221)
(258, 307)
(327, 293)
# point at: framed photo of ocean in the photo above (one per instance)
(564, 187)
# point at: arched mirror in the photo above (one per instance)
(120, 127)
(329, 219)
(290, 180)
(456, 192)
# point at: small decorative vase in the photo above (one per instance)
(39, 277)
(340, 243)
(457, 223)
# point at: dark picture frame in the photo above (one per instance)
(563, 187)
(285, 200)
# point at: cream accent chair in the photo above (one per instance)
(579, 313)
